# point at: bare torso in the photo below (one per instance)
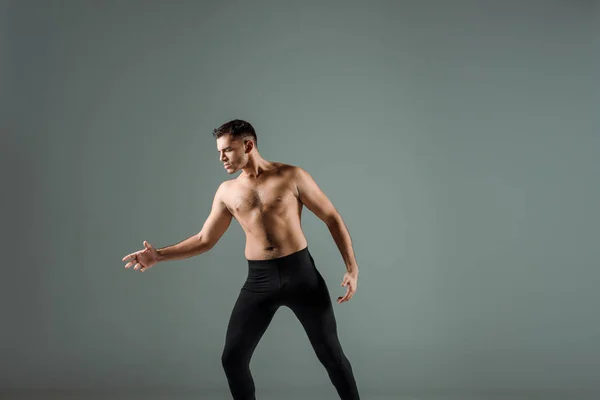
(269, 211)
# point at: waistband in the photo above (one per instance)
(293, 258)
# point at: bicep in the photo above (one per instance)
(218, 220)
(311, 195)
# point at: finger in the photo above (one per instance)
(132, 255)
(133, 260)
(346, 296)
(341, 299)
(147, 245)
(137, 266)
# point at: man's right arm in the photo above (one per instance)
(214, 227)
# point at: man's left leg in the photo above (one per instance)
(314, 310)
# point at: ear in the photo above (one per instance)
(248, 146)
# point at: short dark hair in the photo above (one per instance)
(238, 129)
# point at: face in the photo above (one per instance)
(231, 153)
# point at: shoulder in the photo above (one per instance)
(299, 178)
(290, 170)
(225, 188)
(225, 192)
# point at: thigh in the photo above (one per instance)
(313, 308)
(250, 317)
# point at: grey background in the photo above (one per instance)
(457, 139)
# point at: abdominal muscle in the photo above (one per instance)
(269, 237)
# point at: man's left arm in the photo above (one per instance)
(316, 201)
(342, 239)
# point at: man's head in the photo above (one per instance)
(236, 140)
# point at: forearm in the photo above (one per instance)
(190, 247)
(342, 239)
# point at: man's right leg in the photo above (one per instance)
(249, 320)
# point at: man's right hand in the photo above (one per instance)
(142, 259)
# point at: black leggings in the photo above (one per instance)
(292, 281)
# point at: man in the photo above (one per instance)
(267, 200)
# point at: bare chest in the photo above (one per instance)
(274, 196)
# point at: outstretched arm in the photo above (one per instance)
(214, 227)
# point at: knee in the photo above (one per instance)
(231, 359)
(227, 359)
(330, 355)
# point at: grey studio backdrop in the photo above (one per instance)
(456, 139)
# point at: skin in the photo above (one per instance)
(266, 199)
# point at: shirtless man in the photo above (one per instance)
(267, 200)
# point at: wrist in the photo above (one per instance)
(160, 256)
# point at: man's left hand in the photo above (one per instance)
(350, 281)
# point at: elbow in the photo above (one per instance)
(332, 219)
(204, 244)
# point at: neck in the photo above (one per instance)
(256, 166)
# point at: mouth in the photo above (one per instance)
(226, 165)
